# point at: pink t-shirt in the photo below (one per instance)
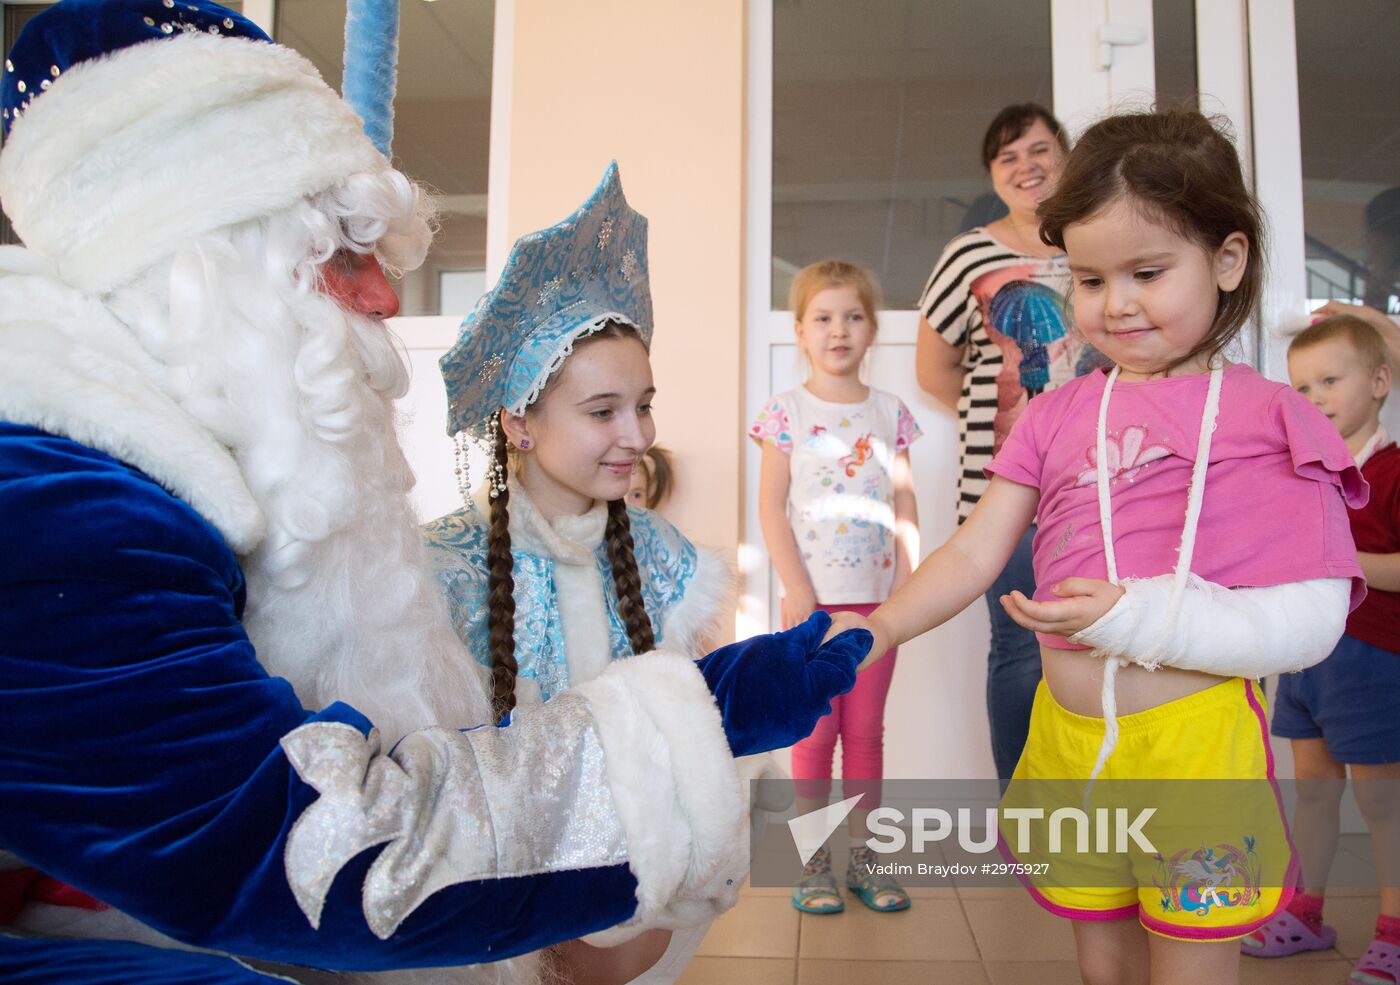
(1277, 487)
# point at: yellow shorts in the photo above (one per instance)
(1221, 862)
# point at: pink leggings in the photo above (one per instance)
(858, 719)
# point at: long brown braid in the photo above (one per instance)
(623, 562)
(500, 595)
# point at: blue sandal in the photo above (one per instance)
(817, 892)
(876, 889)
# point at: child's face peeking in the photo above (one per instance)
(835, 331)
(1144, 295)
(589, 429)
(1333, 376)
(639, 490)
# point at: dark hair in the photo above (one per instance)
(500, 593)
(1012, 123)
(661, 475)
(1361, 335)
(1181, 169)
(500, 580)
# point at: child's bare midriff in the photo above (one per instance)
(1075, 678)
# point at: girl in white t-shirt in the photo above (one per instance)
(836, 502)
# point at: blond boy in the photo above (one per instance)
(1341, 712)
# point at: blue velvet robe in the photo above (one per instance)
(139, 756)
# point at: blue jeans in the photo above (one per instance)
(1013, 664)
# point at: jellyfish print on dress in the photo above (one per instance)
(1090, 359)
(1032, 316)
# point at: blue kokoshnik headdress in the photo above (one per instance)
(559, 285)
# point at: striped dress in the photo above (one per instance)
(1007, 312)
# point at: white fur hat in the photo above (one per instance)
(129, 155)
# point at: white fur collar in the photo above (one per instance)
(566, 539)
(571, 542)
(77, 371)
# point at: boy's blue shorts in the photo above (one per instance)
(1351, 699)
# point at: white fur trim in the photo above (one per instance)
(570, 541)
(583, 618)
(675, 788)
(128, 156)
(80, 374)
(692, 624)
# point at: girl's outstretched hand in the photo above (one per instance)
(1082, 602)
(842, 621)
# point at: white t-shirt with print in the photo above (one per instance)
(841, 490)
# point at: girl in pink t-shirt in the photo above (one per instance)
(1192, 537)
(836, 502)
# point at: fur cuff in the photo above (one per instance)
(128, 156)
(675, 788)
(692, 626)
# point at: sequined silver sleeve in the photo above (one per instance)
(450, 807)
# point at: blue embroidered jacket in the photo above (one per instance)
(566, 606)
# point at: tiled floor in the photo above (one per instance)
(956, 936)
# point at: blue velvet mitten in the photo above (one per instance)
(772, 689)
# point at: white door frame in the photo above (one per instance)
(1278, 172)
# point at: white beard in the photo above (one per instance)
(340, 598)
(341, 601)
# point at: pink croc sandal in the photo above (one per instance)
(1380, 965)
(1285, 934)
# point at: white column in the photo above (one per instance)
(498, 166)
(1278, 173)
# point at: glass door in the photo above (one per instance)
(866, 129)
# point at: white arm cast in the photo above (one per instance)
(1240, 632)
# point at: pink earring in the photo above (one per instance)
(524, 443)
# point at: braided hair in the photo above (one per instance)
(500, 580)
(618, 537)
(500, 595)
